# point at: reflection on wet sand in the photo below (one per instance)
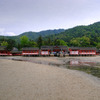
(76, 62)
(85, 66)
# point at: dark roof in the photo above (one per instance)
(83, 48)
(56, 47)
(15, 50)
(46, 47)
(3, 48)
(30, 48)
(60, 47)
(53, 47)
(64, 47)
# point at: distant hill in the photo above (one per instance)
(77, 36)
(35, 35)
(91, 31)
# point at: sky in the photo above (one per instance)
(18, 16)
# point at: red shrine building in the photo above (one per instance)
(50, 51)
(98, 52)
(4, 51)
(82, 51)
(46, 50)
(31, 51)
(60, 49)
(16, 52)
(56, 50)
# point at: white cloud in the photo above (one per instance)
(4, 33)
(10, 34)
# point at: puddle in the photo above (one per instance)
(92, 68)
(79, 63)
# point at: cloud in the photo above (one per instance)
(4, 33)
(10, 34)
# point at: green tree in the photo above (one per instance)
(56, 42)
(49, 41)
(11, 44)
(24, 41)
(74, 42)
(98, 45)
(39, 41)
(81, 42)
(98, 39)
(4, 43)
(84, 41)
(59, 42)
(19, 46)
(62, 42)
(32, 43)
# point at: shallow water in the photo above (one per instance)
(89, 67)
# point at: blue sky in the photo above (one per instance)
(18, 16)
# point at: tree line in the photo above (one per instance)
(80, 36)
(26, 42)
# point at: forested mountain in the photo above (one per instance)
(34, 35)
(80, 34)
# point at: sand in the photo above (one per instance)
(21, 80)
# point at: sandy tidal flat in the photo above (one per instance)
(21, 80)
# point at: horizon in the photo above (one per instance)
(49, 29)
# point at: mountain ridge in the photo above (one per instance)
(79, 31)
(34, 35)
(83, 35)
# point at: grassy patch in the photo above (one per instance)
(88, 69)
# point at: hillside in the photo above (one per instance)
(34, 35)
(81, 36)
(91, 31)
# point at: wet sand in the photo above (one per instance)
(36, 80)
